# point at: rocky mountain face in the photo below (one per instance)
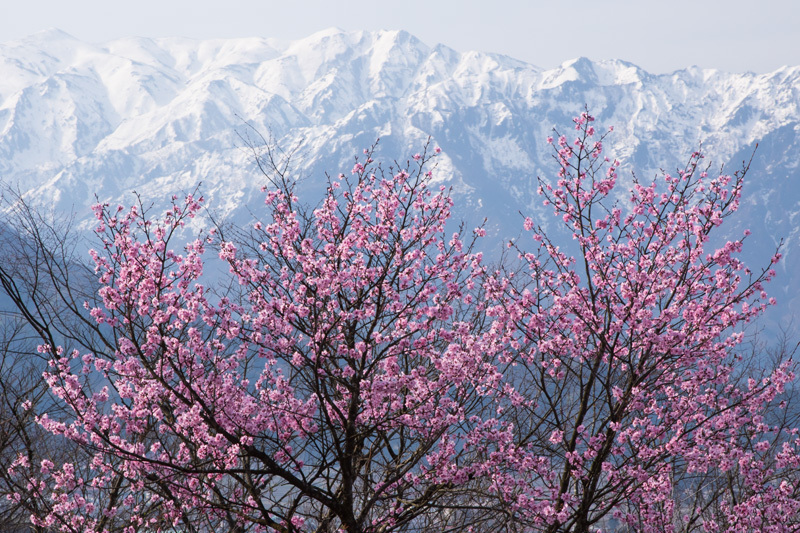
(80, 121)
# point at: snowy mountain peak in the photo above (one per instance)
(161, 115)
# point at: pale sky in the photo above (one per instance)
(660, 36)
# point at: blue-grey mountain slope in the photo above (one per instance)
(159, 116)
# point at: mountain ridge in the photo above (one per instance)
(161, 115)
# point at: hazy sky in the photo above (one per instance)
(660, 36)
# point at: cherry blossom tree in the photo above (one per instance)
(345, 387)
(363, 370)
(635, 391)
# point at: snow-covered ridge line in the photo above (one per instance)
(160, 115)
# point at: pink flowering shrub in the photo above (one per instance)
(365, 371)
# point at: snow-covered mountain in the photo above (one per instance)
(160, 115)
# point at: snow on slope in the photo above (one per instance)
(161, 115)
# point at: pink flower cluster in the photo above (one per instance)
(365, 366)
